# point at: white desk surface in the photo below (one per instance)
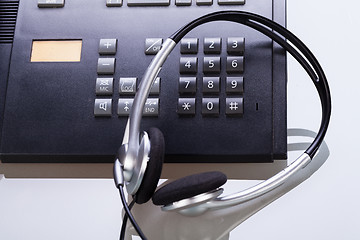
(324, 207)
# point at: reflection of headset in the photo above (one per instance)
(140, 158)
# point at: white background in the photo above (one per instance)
(324, 207)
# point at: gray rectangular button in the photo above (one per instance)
(50, 3)
(104, 86)
(186, 106)
(107, 46)
(124, 106)
(113, 3)
(148, 2)
(210, 106)
(182, 2)
(155, 89)
(234, 106)
(152, 45)
(188, 65)
(231, 2)
(102, 107)
(187, 85)
(106, 66)
(127, 86)
(235, 64)
(204, 2)
(151, 107)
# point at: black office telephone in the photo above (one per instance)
(70, 69)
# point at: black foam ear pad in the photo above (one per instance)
(188, 187)
(153, 168)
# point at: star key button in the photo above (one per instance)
(186, 106)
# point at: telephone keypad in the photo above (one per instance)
(214, 95)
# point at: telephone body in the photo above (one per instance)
(69, 72)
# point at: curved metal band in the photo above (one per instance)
(132, 131)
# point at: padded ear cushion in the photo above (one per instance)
(153, 168)
(188, 187)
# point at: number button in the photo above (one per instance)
(211, 65)
(187, 85)
(210, 106)
(212, 45)
(211, 84)
(235, 64)
(235, 85)
(188, 65)
(186, 106)
(236, 45)
(189, 46)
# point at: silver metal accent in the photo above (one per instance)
(253, 192)
(188, 206)
(140, 166)
(132, 131)
(118, 174)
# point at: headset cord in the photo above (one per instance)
(129, 214)
(124, 221)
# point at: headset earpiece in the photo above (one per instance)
(188, 187)
(154, 166)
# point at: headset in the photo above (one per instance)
(139, 161)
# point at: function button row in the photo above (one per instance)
(234, 45)
(211, 65)
(118, 3)
(211, 106)
(127, 86)
(211, 85)
(103, 107)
